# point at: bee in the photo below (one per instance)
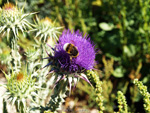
(71, 50)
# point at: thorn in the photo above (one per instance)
(46, 58)
(51, 72)
(47, 53)
(70, 81)
(63, 77)
(50, 47)
(75, 83)
(84, 78)
(58, 79)
(47, 65)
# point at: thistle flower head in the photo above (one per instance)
(20, 77)
(46, 21)
(20, 87)
(68, 63)
(46, 28)
(9, 6)
(12, 19)
(86, 56)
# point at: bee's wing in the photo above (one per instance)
(72, 42)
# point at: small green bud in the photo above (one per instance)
(144, 93)
(20, 87)
(45, 28)
(122, 103)
(98, 89)
(13, 20)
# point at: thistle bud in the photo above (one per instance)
(13, 20)
(20, 88)
(46, 28)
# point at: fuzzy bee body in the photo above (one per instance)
(71, 50)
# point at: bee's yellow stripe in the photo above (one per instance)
(70, 48)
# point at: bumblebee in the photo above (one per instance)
(71, 50)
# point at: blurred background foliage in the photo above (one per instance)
(119, 28)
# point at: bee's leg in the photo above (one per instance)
(70, 59)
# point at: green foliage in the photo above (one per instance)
(125, 31)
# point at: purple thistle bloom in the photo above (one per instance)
(64, 64)
(86, 57)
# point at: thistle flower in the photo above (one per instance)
(20, 87)
(67, 66)
(46, 28)
(13, 20)
(9, 6)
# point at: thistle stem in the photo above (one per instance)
(20, 108)
(58, 97)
